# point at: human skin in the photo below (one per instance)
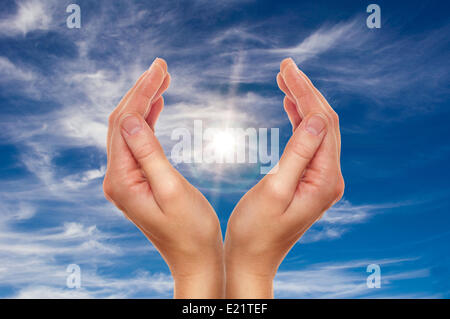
(267, 221)
(274, 214)
(141, 182)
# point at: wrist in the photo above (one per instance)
(203, 284)
(202, 279)
(248, 285)
(245, 280)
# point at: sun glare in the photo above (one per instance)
(223, 142)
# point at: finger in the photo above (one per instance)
(117, 109)
(324, 170)
(131, 90)
(297, 155)
(144, 93)
(326, 104)
(157, 104)
(148, 153)
(155, 111)
(127, 186)
(289, 103)
(162, 89)
(308, 101)
(320, 189)
(124, 100)
(307, 96)
(120, 159)
(292, 113)
(284, 88)
(303, 95)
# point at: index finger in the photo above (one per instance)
(142, 105)
(142, 96)
(306, 95)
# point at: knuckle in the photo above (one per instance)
(328, 193)
(147, 96)
(145, 93)
(108, 188)
(112, 118)
(116, 189)
(302, 149)
(340, 188)
(335, 190)
(143, 151)
(334, 118)
(304, 96)
(276, 190)
(170, 189)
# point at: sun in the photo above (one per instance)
(223, 142)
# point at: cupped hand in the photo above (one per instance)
(274, 214)
(142, 183)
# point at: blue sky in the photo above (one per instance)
(389, 86)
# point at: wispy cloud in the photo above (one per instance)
(34, 262)
(340, 218)
(346, 280)
(142, 285)
(55, 214)
(11, 72)
(30, 15)
(322, 40)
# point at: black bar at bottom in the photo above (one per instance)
(184, 309)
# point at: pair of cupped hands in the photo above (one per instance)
(266, 222)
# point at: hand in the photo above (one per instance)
(274, 214)
(141, 182)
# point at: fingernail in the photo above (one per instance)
(153, 62)
(155, 65)
(131, 124)
(291, 61)
(315, 124)
(152, 66)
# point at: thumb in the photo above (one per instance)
(300, 150)
(149, 154)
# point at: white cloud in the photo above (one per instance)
(325, 233)
(25, 211)
(345, 212)
(238, 34)
(345, 280)
(44, 292)
(16, 211)
(338, 219)
(141, 285)
(34, 263)
(322, 40)
(31, 15)
(85, 90)
(93, 285)
(77, 230)
(84, 178)
(91, 89)
(11, 72)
